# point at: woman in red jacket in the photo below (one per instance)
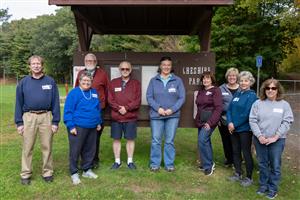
(209, 108)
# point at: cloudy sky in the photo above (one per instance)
(27, 8)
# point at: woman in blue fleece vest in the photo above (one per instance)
(239, 128)
(82, 118)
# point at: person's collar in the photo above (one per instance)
(37, 77)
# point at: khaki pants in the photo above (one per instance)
(34, 123)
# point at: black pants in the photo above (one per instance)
(227, 146)
(96, 157)
(83, 144)
(241, 142)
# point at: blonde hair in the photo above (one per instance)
(35, 57)
(232, 70)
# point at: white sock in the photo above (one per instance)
(118, 160)
(129, 160)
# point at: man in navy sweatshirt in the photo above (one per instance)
(37, 99)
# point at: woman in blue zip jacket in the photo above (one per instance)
(82, 118)
(165, 96)
(239, 128)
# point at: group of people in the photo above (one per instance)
(233, 108)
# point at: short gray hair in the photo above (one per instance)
(248, 76)
(86, 74)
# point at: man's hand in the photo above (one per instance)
(73, 131)
(262, 139)
(168, 112)
(122, 110)
(20, 129)
(98, 127)
(230, 128)
(161, 111)
(54, 128)
(272, 139)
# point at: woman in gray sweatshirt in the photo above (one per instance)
(270, 119)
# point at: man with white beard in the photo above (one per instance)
(100, 83)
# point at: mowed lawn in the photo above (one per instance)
(187, 182)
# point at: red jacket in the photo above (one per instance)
(100, 83)
(209, 100)
(129, 97)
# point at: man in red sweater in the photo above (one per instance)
(124, 98)
(100, 83)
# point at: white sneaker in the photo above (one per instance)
(75, 179)
(89, 174)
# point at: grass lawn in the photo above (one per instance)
(185, 183)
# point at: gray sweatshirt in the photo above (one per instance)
(268, 118)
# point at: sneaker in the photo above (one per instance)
(75, 179)
(261, 191)
(131, 165)
(154, 169)
(116, 166)
(201, 168)
(170, 169)
(48, 179)
(89, 174)
(25, 181)
(210, 171)
(271, 195)
(228, 163)
(246, 182)
(235, 177)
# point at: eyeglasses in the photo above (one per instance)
(271, 88)
(125, 69)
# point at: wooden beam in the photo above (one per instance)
(85, 33)
(140, 2)
(205, 32)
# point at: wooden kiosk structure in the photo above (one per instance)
(148, 17)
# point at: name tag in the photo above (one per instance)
(46, 87)
(225, 93)
(278, 110)
(94, 95)
(118, 89)
(208, 93)
(172, 90)
(236, 99)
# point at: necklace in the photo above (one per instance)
(87, 98)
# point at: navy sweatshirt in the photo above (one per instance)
(37, 94)
(83, 109)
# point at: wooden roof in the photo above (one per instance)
(140, 2)
(142, 17)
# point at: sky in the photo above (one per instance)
(27, 8)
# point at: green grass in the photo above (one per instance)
(185, 183)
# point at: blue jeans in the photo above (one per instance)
(205, 147)
(167, 128)
(269, 163)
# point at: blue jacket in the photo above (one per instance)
(239, 110)
(171, 96)
(37, 94)
(83, 109)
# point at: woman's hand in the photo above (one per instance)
(161, 111)
(272, 139)
(73, 131)
(230, 128)
(98, 127)
(206, 126)
(168, 112)
(262, 139)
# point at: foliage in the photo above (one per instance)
(4, 16)
(251, 28)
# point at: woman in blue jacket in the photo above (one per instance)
(165, 96)
(239, 128)
(82, 118)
